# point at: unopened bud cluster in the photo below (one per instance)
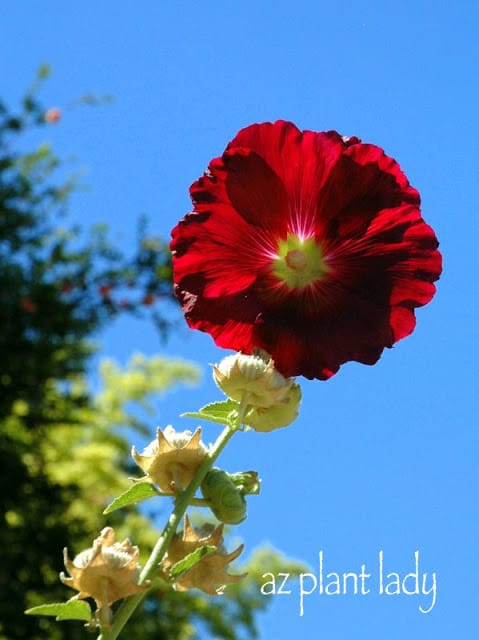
(109, 570)
(172, 460)
(273, 400)
(210, 574)
(106, 572)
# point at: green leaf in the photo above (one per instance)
(224, 412)
(136, 493)
(71, 610)
(190, 560)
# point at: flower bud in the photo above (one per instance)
(210, 573)
(279, 415)
(106, 572)
(226, 499)
(53, 115)
(252, 374)
(172, 460)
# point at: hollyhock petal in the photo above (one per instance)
(213, 315)
(402, 322)
(350, 325)
(235, 202)
(308, 245)
(255, 191)
(311, 156)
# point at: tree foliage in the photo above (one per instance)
(63, 449)
(56, 292)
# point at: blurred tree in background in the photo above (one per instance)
(63, 450)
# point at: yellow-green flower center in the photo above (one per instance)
(299, 262)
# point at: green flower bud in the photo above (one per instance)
(255, 375)
(280, 415)
(226, 499)
(247, 481)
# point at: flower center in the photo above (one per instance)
(299, 262)
(296, 259)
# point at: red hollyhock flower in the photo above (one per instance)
(308, 245)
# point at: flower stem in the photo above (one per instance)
(183, 500)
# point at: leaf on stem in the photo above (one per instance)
(224, 412)
(189, 561)
(71, 610)
(136, 493)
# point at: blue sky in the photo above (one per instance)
(382, 458)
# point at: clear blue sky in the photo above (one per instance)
(383, 457)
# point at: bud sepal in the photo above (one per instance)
(254, 375)
(172, 460)
(106, 572)
(210, 574)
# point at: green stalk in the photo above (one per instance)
(183, 501)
